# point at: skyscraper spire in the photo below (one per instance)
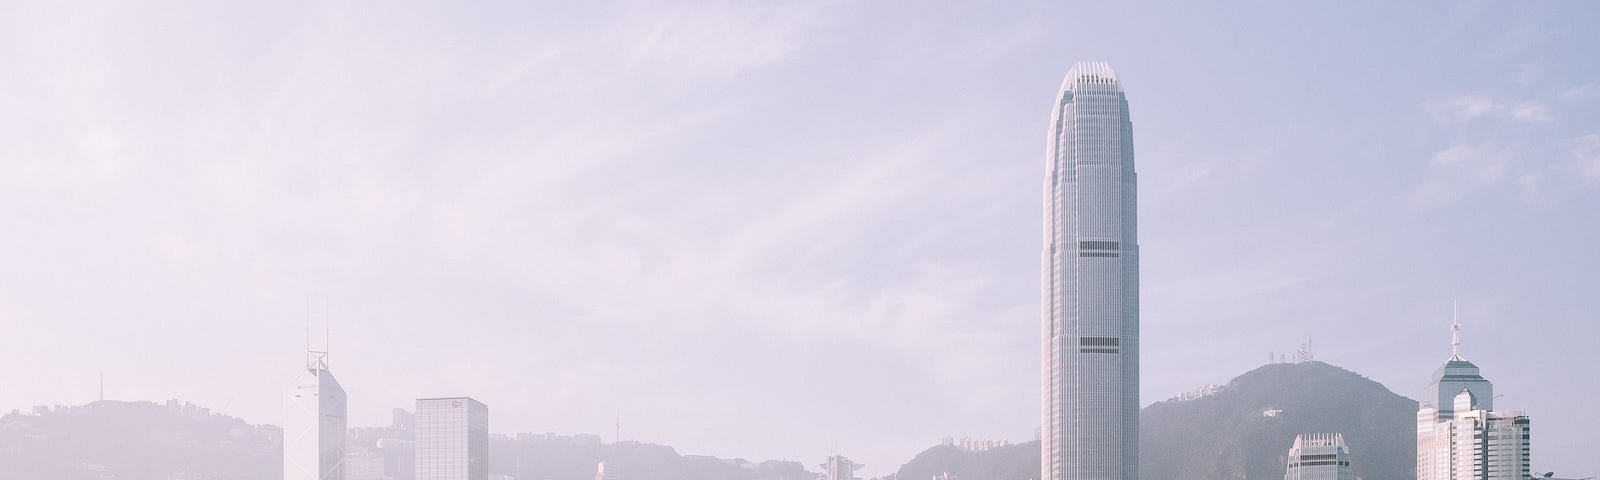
(1455, 333)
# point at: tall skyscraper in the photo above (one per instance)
(452, 439)
(314, 424)
(1319, 456)
(1459, 435)
(1090, 283)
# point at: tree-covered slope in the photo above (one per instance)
(1230, 435)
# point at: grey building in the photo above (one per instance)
(1319, 456)
(1090, 283)
(452, 439)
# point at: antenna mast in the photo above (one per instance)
(1455, 332)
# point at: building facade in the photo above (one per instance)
(1461, 437)
(607, 471)
(452, 439)
(839, 468)
(1090, 283)
(315, 416)
(1319, 456)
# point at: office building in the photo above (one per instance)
(840, 468)
(452, 439)
(315, 412)
(1459, 434)
(1319, 456)
(1090, 283)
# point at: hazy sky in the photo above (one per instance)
(775, 230)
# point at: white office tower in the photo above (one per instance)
(1461, 437)
(1090, 283)
(452, 439)
(1319, 456)
(314, 411)
(839, 468)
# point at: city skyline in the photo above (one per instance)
(698, 213)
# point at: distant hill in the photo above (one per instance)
(136, 441)
(111, 440)
(556, 459)
(1011, 462)
(1230, 436)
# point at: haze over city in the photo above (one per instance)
(780, 230)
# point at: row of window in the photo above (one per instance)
(1319, 464)
(1098, 350)
(1099, 245)
(1100, 341)
(1099, 254)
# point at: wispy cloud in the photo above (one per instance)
(1530, 112)
(728, 37)
(1457, 171)
(1463, 108)
(1468, 108)
(1585, 159)
(1581, 93)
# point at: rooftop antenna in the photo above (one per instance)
(618, 437)
(102, 386)
(1455, 332)
(327, 328)
(316, 361)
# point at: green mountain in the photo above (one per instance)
(1230, 435)
(1242, 432)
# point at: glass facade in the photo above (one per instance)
(452, 439)
(1090, 283)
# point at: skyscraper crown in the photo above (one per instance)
(1091, 76)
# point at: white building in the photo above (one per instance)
(314, 411)
(1090, 283)
(1461, 437)
(452, 439)
(839, 468)
(1319, 456)
(607, 471)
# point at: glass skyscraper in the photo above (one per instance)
(1090, 283)
(452, 439)
(314, 411)
(1319, 456)
(1460, 435)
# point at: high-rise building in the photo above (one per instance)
(1319, 456)
(839, 468)
(1090, 283)
(314, 411)
(452, 439)
(607, 471)
(1461, 437)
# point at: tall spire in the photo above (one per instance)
(1455, 333)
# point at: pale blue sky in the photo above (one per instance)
(777, 230)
